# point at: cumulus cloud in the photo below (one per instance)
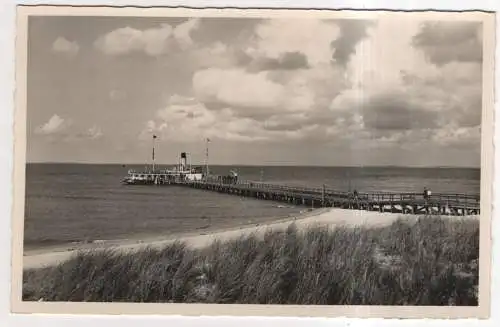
(283, 44)
(153, 41)
(281, 69)
(402, 97)
(187, 120)
(54, 125)
(355, 82)
(267, 93)
(276, 37)
(62, 45)
(65, 130)
(237, 88)
(447, 41)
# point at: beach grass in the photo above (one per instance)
(424, 261)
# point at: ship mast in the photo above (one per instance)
(154, 139)
(206, 157)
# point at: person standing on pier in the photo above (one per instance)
(355, 195)
(427, 194)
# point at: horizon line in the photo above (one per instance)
(248, 165)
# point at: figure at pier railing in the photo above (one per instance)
(427, 194)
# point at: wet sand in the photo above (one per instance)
(318, 217)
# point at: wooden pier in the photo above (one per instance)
(406, 203)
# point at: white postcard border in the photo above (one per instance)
(223, 310)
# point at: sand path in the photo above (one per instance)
(321, 217)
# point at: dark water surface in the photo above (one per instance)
(68, 203)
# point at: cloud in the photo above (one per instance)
(395, 112)
(239, 89)
(219, 55)
(62, 45)
(426, 95)
(281, 69)
(94, 133)
(60, 129)
(445, 42)
(282, 79)
(187, 120)
(54, 125)
(455, 136)
(267, 93)
(353, 85)
(275, 37)
(318, 41)
(182, 32)
(455, 93)
(335, 85)
(386, 51)
(286, 61)
(278, 87)
(351, 32)
(153, 41)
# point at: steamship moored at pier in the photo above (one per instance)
(182, 172)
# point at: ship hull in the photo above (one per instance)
(162, 179)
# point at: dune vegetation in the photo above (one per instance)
(424, 261)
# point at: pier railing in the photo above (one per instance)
(456, 203)
(375, 196)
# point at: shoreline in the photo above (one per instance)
(152, 237)
(330, 217)
(51, 255)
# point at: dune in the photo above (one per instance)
(320, 217)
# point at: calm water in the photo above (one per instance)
(72, 203)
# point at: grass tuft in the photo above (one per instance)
(428, 261)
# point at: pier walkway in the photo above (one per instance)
(407, 203)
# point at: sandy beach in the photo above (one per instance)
(318, 217)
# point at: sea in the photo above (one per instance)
(81, 203)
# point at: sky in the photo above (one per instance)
(392, 91)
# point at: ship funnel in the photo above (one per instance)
(183, 161)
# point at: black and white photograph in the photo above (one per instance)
(291, 159)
